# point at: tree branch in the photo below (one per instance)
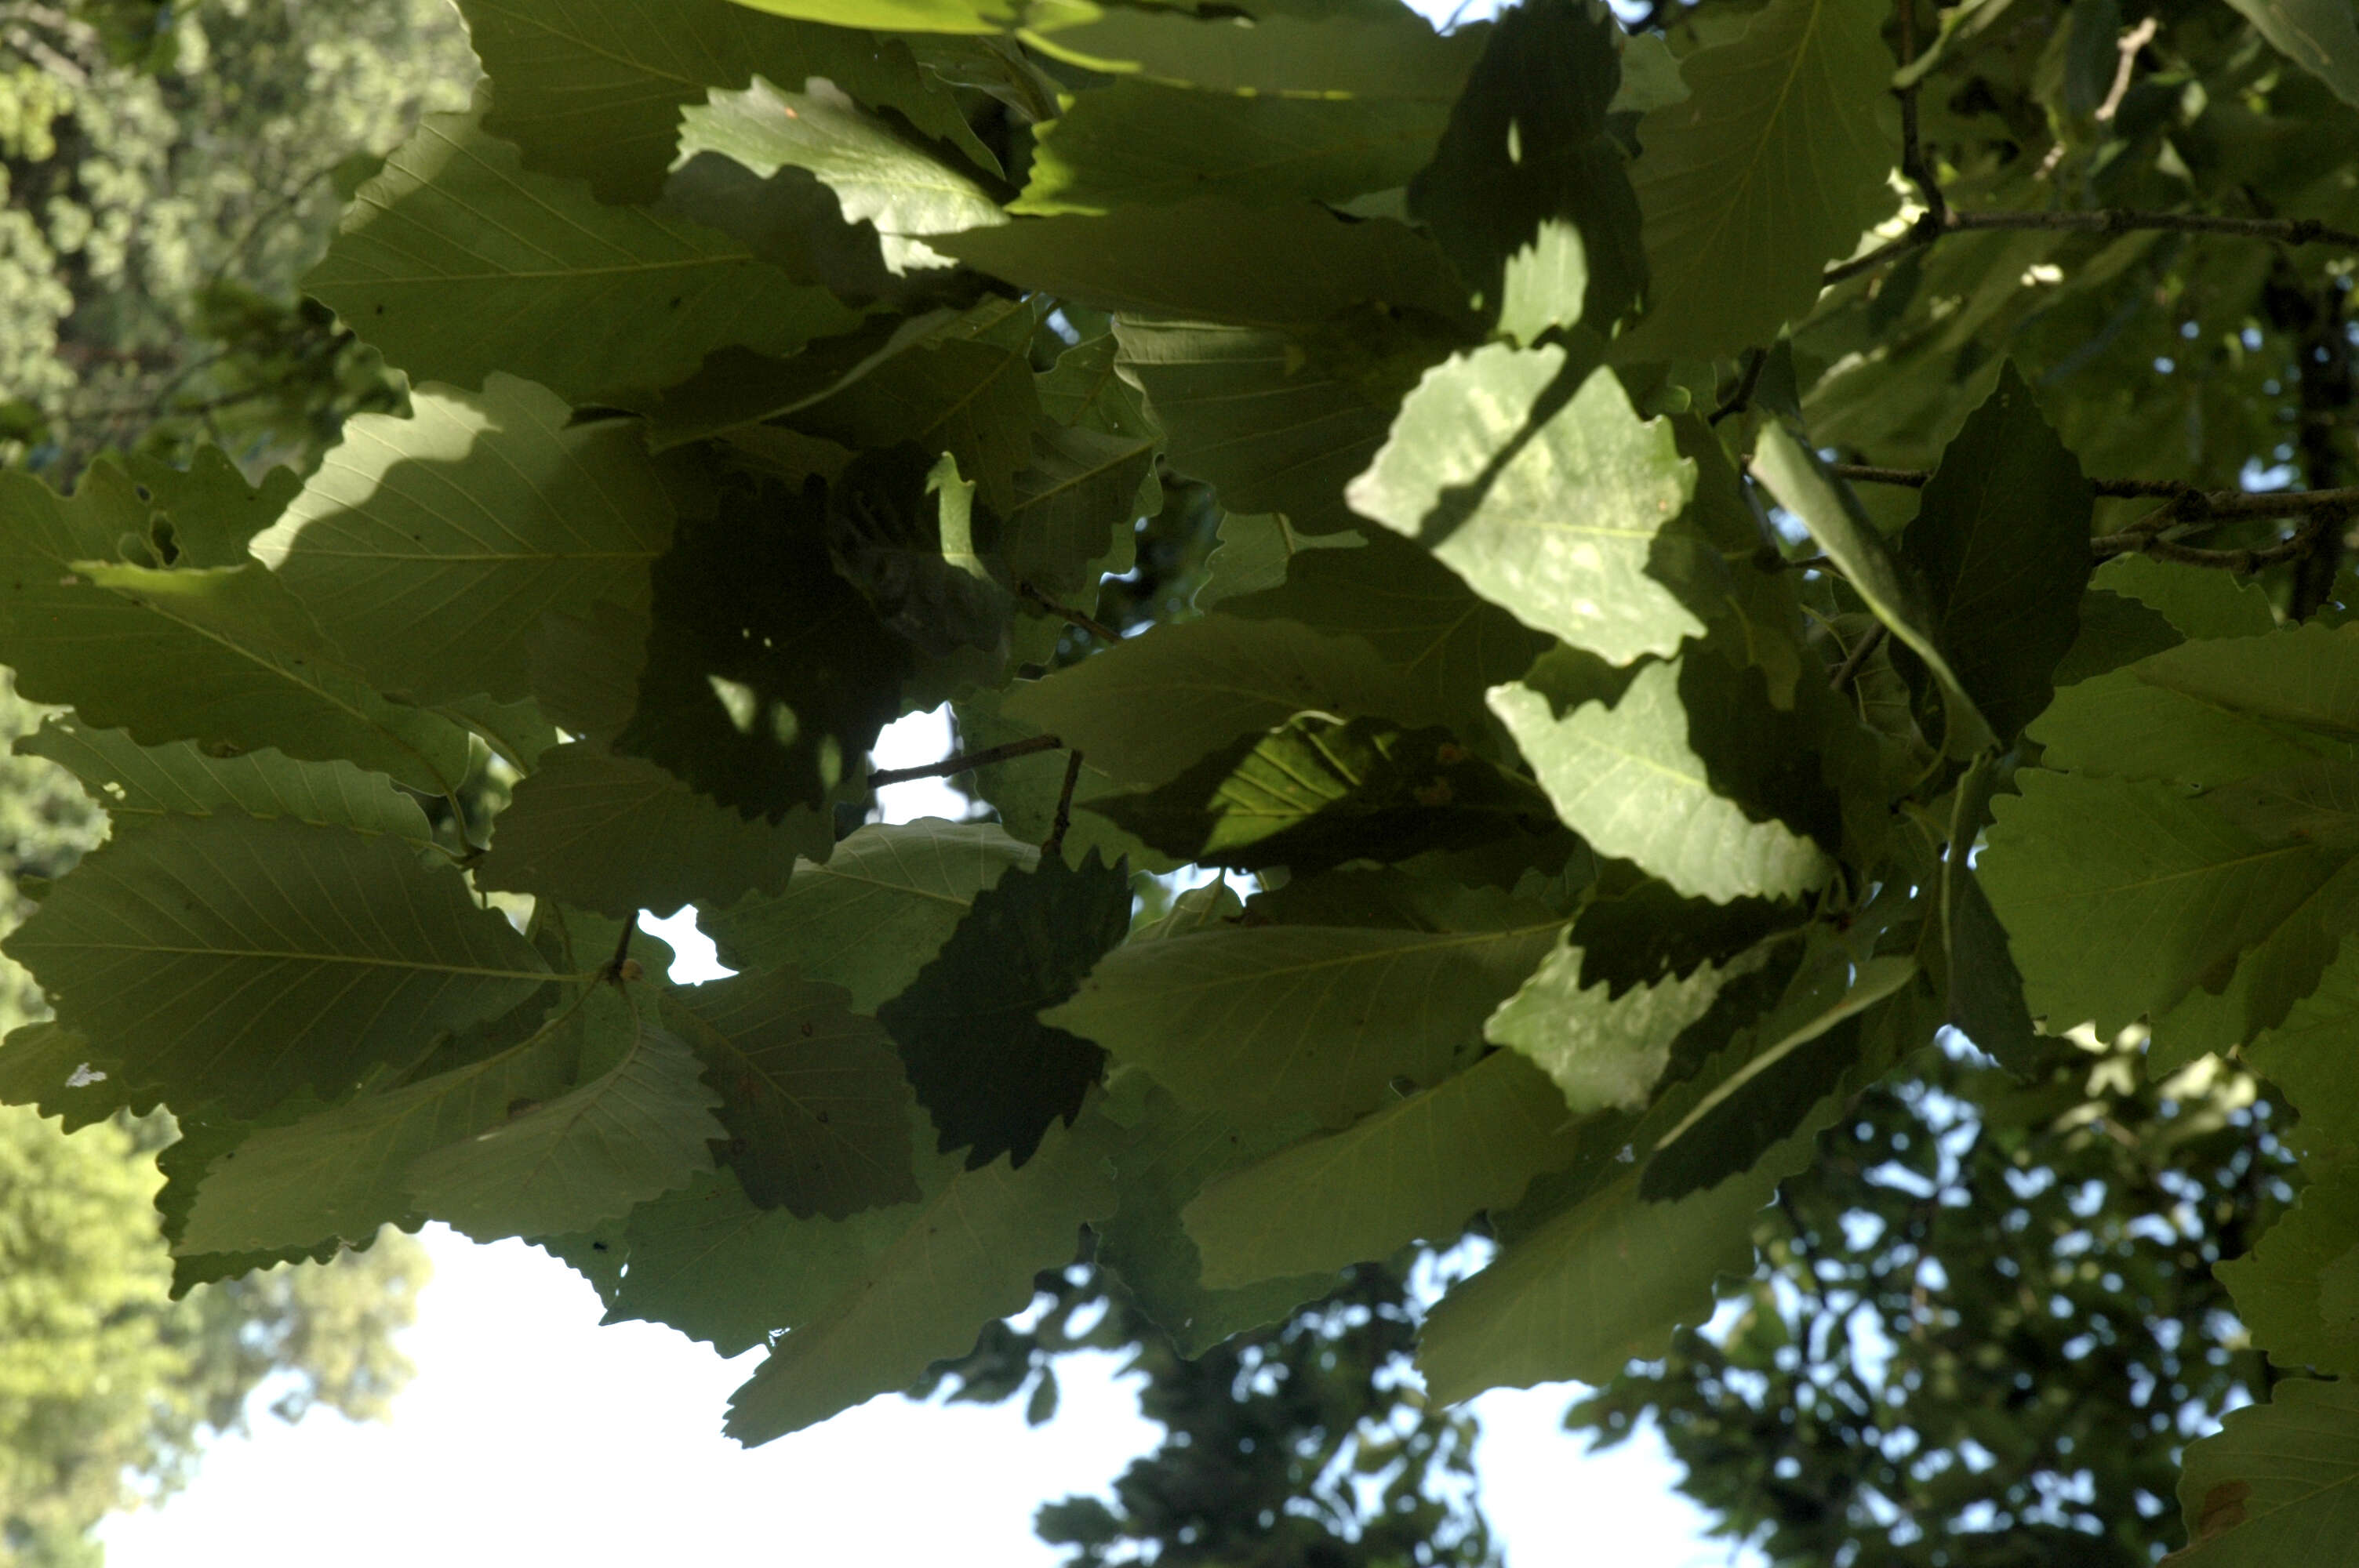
(1741, 398)
(965, 760)
(1097, 629)
(2106, 221)
(1858, 656)
(1054, 845)
(2190, 504)
(1912, 152)
(619, 967)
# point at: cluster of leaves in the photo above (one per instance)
(1625, 793)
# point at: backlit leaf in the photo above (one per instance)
(449, 298)
(434, 544)
(234, 960)
(1481, 467)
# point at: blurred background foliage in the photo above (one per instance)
(170, 171)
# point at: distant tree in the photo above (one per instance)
(169, 172)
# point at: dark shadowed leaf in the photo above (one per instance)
(989, 1071)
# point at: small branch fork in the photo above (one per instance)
(962, 762)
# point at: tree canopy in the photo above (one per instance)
(1755, 548)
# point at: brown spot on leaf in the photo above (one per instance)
(2223, 1509)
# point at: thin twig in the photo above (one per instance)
(1741, 398)
(2304, 540)
(614, 970)
(2104, 220)
(2191, 505)
(1868, 473)
(1093, 627)
(1054, 845)
(1912, 152)
(965, 760)
(1858, 655)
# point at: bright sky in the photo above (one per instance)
(531, 1434)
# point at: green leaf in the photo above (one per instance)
(876, 912)
(1477, 469)
(1356, 53)
(2297, 1290)
(48, 1068)
(1603, 1281)
(2320, 36)
(1602, 1052)
(1082, 390)
(966, 1255)
(1135, 142)
(2121, 896)
(1216, 260)
(2114, 631)
(224, 655)
(914, 16)
(616, 835)
(1806, 1049)
(2309, 1057)
(1419, 615)
(812, 1094)
(768, 676)
(1600, 1286)
(1772, 167)
(1412, 1171)
(1545, 284)
(2315, 802)
(593, 88)
(1264, 1024)
(2201, 604)
(707, 1261)
(972, 399)
(209, 510)
(1080, 496)
(434, 544)
(2001, 540)
(1316, 791)
(990, 1071)
(1626, 779)
(1174, 1151)
(879, 176)
(1527, 150)
(226, 959)
(448, 297)
(1242, 412)
(642, 1126)
(1899, 600)
(737, 387)
(2120, 725)
(2306, 676)
(343, 1172)
(1146, 708)
(1634, 929)
(2278, 1484)
(139, 785)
